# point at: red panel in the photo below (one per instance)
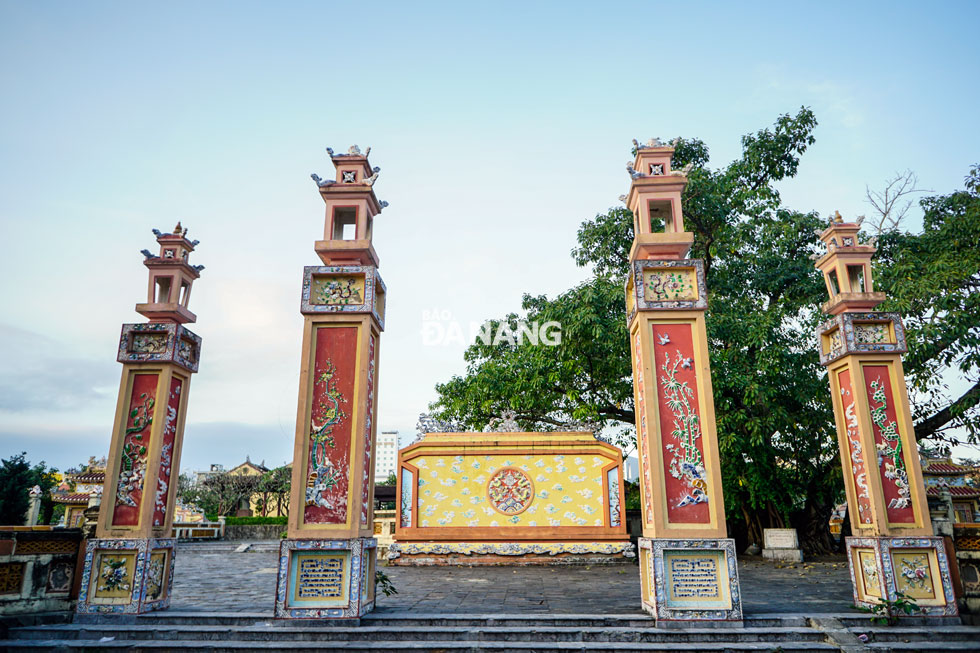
(167, 452)
(328, 466)
(136, 443)
(858, 467)
(685, 478)
(891, 453)
(368, 476)
(643, 442)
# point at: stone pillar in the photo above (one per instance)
(893, 548)
(327, 564)
(33, 506)
(687, 564)
(129, 565)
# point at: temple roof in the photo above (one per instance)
(955, 491)
(71, 498)
(944, 467)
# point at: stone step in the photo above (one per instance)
(418, 634)
(900, 633)
(399, 619)
(926, 647)
(445, 646)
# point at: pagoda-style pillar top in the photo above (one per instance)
(846, 268)
(350, 209)
(655, 194)
(171, 278)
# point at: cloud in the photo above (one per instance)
(41, 374)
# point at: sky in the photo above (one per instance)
(499, 127)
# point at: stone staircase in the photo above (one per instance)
(380, 631)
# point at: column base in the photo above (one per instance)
(127, 576)
(326, 579)
(690, 580)
(916, 566)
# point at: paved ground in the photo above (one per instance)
(246, 582)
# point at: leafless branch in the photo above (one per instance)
(892, 204)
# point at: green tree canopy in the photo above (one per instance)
(775, 423)
(17, 477)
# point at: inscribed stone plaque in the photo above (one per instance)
(697, 579)
(319, 578)
(781, 538)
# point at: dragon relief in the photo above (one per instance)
(324, 474)
(890, 455)
(857, 461)
(133, 466)
(687, 462)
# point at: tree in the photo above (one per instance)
(391, 480)
(17, 477)
(775, 425)
(222, 494)
(274, 487)
(933, 280)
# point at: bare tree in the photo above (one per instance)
(892, 204)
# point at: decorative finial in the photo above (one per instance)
(156, 232)
(321, 182)
(330, 152)
(859, 220)
(198, 267)
(147, 253)
(367, 152)
(837, 217)
(633, 173)
(622, 198)
(194, 243)
(178, 229)
(507, 423)
(383, 203)
(354, 150)
(654, 142)
(636, 144)
(370, 180)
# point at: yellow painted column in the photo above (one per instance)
(893, 549)
(128, 568)
(687, 564)
(327, 563)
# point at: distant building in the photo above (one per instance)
(631, 469)
(76, 488)
(386, 456)
(201, 476)
(940, 474)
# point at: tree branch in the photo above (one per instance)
(934, 423)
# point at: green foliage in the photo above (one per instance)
(220, 494)
(383, 584)
(632, 491)
(254, 521)
(933, 280)
(17, 477)
(274, 487)
(886, 612)
(391, 480)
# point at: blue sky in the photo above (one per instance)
(498, 127)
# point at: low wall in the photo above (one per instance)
(254, 532)
(966, 541)
(39, 569)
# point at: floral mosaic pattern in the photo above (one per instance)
(150, 343)
(132, 464)
(859, 470)
(680, 424)
(161, 498)
(894, 551)
(159, 342)
(871, 333)
(113, 574)
(452, 490)
(680, 293)
(367, 467)
(675, 284)
(510, 491)
(915, 572)
(337, 290)
(643, 444)
(398, 549)
(98, 550)
(612, 483)
(330, 426)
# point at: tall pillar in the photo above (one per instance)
(129, 566)
(687, 565)
(327, 564)
(893, 548)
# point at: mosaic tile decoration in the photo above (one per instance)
(665, 600)
(651, 299)
(399, 549)
(138, 583)
(368, 303)
(861, 334)
(159, 342)
(909, 577)
(360, 550)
